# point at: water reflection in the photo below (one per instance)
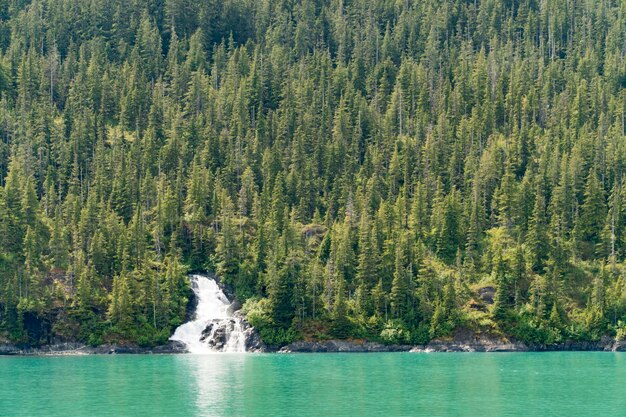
(217, 381)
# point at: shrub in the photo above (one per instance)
(395, 332)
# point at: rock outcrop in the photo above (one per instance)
(619, 346)
(252, 338)
(217, 333)
(342, 346)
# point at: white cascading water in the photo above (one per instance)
(212, 310)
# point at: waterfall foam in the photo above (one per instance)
(214, 327)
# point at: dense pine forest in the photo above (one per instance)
(367, 169)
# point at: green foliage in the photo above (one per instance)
(440, 324)
(358, 170)
(620, 334)
(258, 312)
(395, 332)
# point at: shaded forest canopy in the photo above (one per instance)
(389, 170)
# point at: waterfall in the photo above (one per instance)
(214, 328)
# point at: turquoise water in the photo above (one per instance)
(385, 384)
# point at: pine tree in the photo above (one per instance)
(501, 277)
(366, 269)
(506, 197)
(590, 224)
(120, 308)
(400, 297)
(339, 315)
(227, 250)
(537, 238)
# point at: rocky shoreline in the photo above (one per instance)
(479, 345)
(340, 346)
(327, 346)
(9, 349)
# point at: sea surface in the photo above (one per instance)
(350, 384)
